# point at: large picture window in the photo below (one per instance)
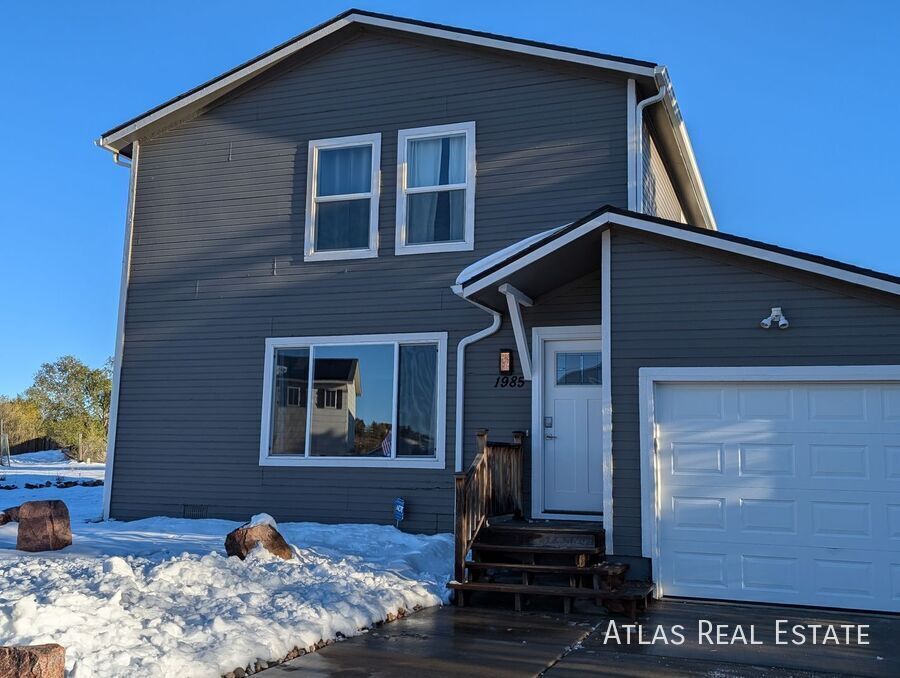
(343, 185)
(436, 189)
(376, 400)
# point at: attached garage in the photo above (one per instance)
(774, 484)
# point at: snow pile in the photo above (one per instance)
(263, 519)
(158, 597)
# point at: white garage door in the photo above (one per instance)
(785, 493)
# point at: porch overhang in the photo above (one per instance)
(536, 265)
(544, 262)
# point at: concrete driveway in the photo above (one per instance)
(490, 642)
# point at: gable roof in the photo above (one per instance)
(494, 269)
(119, 138)
(649, 75)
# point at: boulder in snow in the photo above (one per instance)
(43, 526)
(33, 661)
(10, 515)
(244, 539)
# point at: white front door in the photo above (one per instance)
(572, 428)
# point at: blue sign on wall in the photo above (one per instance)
(399, 510)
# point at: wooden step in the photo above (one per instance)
(545, 526)
(543, 533)
(538, 548)
(603, 569)
(632, 593)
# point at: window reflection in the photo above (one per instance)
(289, 413)
(417, 400)
(577, 369)
(352, 412)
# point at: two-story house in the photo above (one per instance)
(455, 230)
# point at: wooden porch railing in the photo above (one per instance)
(491, 487)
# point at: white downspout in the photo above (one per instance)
(461, 373)
(639, 144)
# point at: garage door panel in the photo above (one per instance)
(798, 460)
(784, 574)
(757, 515)
(781, 492)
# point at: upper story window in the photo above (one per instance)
(343, 186)
(436, 189)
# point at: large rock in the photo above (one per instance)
(43, 526)
(33, 661)
(10, 515)
(245, 538)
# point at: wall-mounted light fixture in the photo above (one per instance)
(506, 361)
(776, 316)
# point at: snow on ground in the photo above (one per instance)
(159, 597)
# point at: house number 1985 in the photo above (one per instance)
(509, 382)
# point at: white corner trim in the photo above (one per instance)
(606, 377)
(515, 300)
(310, 253)
(631, 127)
(119, 349)
(404, 136)
(649, 377)
(272, 343)
(539, 336)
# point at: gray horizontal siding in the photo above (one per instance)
(660, 196)
(217, 262)
(673, 305)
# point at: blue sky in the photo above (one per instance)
(791, 109)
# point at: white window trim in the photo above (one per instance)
(316, 145)
(436, 462)
(403, 138)
(329, 392)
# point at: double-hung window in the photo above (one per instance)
(343, 186)
(436, 189)
(370, 400)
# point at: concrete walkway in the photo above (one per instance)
(490, 642)
(448, 641)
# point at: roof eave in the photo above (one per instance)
(610, 216)
(118, 138)
(685, 149)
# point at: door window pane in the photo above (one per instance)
(343, 225)
(436, 161)
(344, 171)
(356, 420)
(436, 217)
(577, 369)
(417, 401)
(290, 382)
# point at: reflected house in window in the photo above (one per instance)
(336, 389)
(335, 392)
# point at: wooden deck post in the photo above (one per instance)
(480, 440)
(461, 531)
